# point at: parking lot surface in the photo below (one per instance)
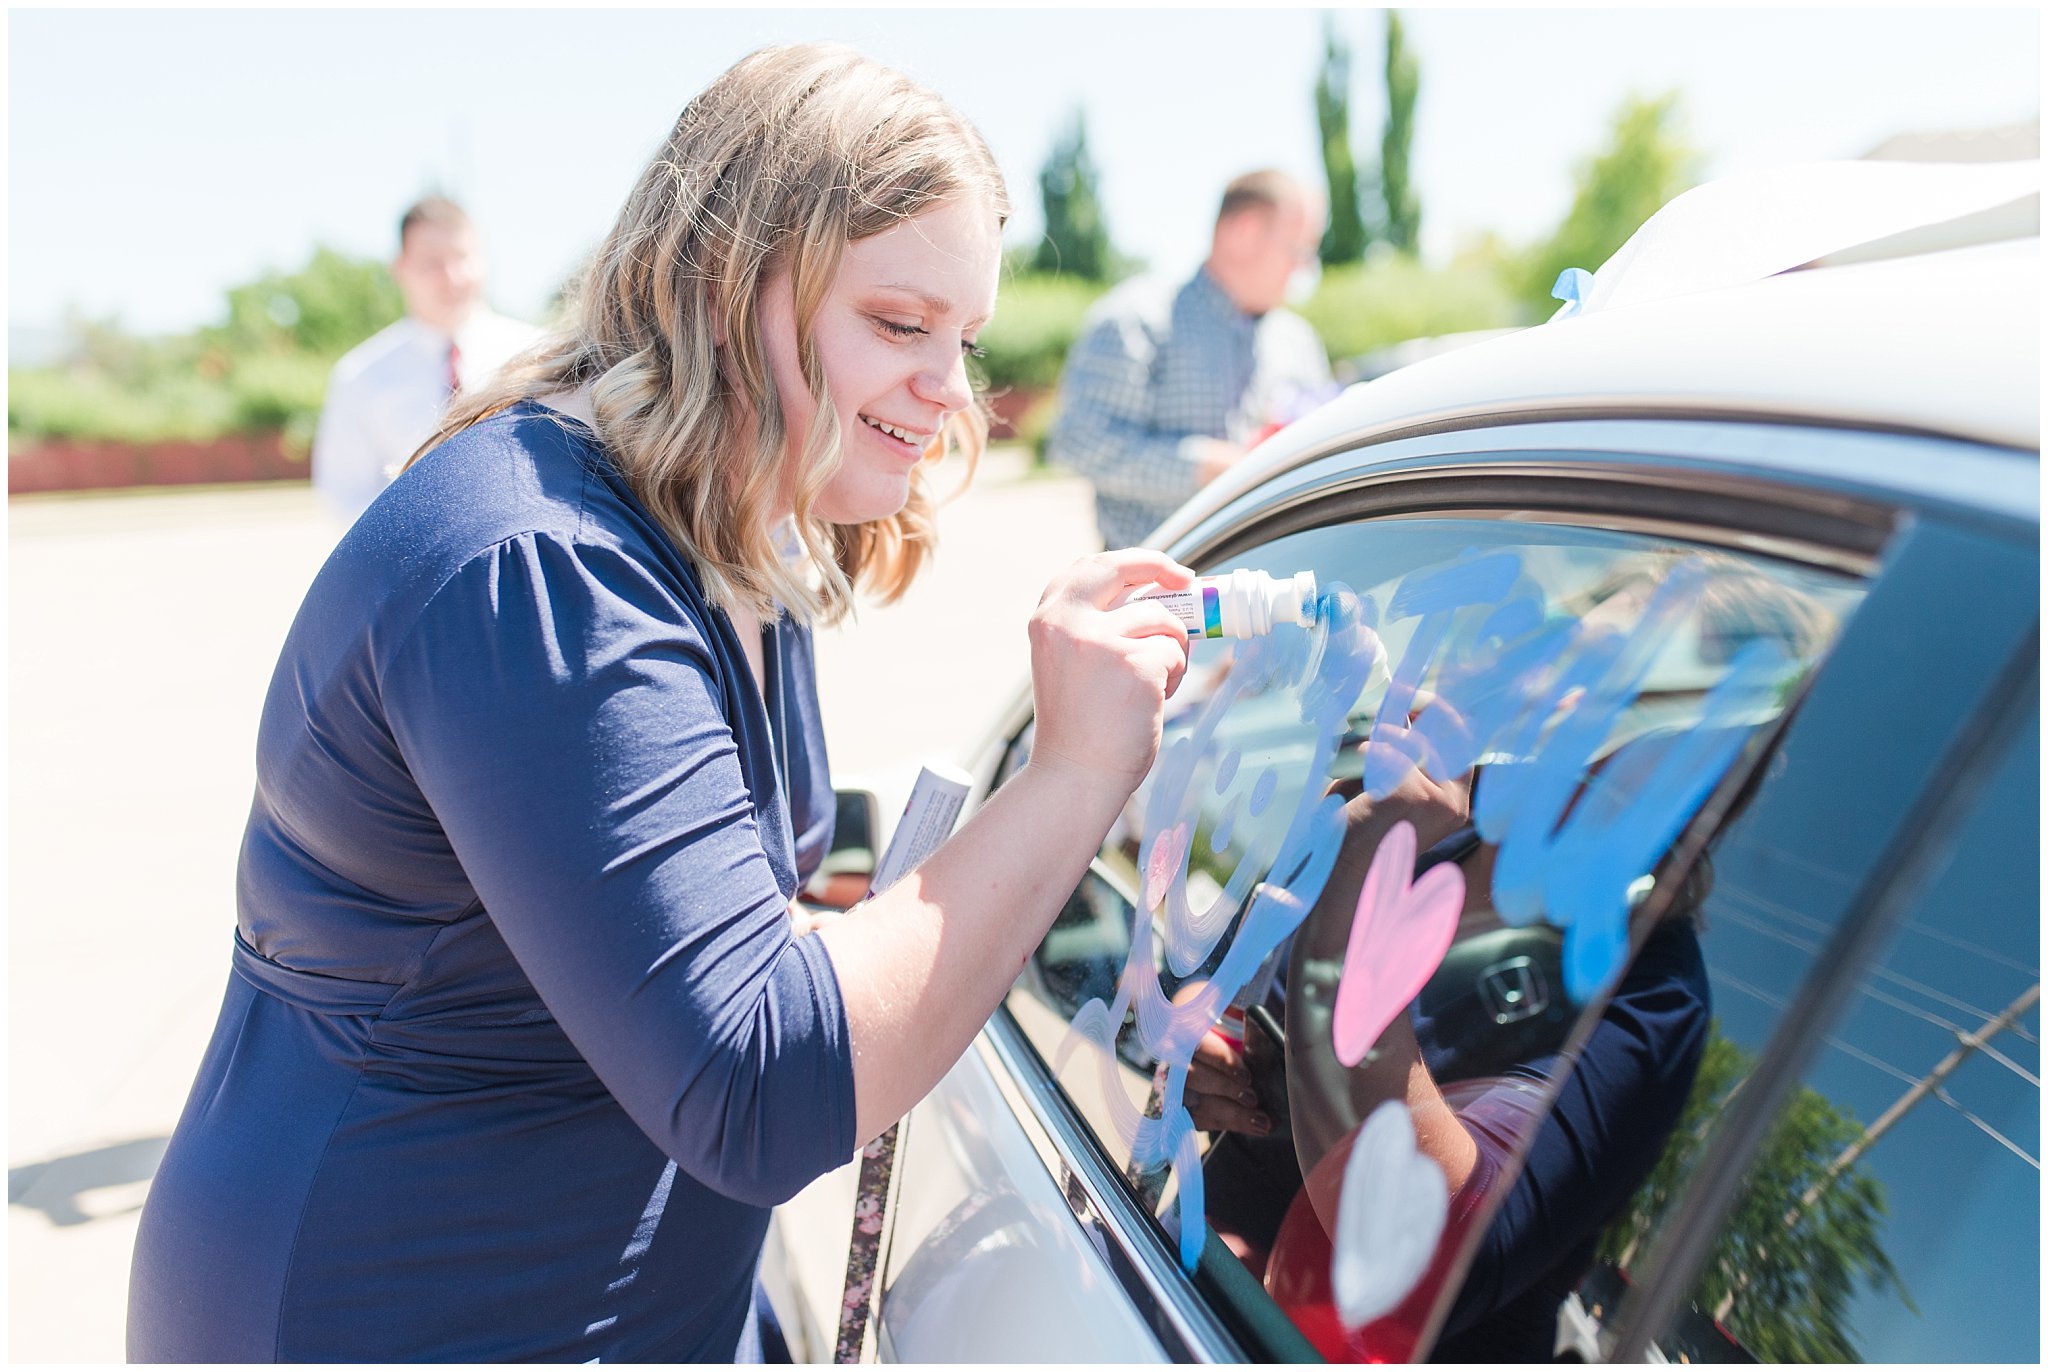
(142, 632)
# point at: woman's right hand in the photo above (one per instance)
(925, 963)
(1102, 669)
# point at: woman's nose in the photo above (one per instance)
(945, 384)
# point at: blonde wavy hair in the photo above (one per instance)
(780, 163)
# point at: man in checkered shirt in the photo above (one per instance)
(1166, 387)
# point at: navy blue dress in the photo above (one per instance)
(518, 1047)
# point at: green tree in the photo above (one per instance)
(285, 330)
(1027, 341)
(1364, 306)
(1076, 241)
(264, 367)
(1646, 163)
(1344, 239)
(1403, 226)
(1782, 1272)
(325, 308)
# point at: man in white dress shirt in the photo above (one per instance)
(387, 393)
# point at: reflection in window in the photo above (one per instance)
(1893, 1212)
(1390, 876)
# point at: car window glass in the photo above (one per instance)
(1893, 1214)
(1391, 860)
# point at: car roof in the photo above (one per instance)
(1944, 343)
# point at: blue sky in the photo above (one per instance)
(159, 156)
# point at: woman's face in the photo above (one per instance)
(893, 335)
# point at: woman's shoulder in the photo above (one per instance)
(524, 470)
(527, 461)
(524, 484)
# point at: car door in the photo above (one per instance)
(1618, 628)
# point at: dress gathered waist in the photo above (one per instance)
(323, 995)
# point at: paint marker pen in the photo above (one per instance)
(928, 819)
(1240, 604)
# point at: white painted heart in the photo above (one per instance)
(1390, 1215)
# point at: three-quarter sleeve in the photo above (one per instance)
(563, 708)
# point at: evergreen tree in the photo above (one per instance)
(1403, 226)
(1076, 241)
(1345, 238)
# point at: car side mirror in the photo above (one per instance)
(842, 879)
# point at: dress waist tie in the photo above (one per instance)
(323, 995)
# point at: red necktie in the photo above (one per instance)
(454, 368)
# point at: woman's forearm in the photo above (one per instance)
(923, 965)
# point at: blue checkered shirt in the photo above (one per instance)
(1156, 367)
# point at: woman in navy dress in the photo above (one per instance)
(524, 1034)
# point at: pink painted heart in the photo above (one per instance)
(1168, 847)
(1399, 935)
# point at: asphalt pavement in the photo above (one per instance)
(142, 632)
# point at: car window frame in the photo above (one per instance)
(1608, 474)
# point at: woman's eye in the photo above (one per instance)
(899, 330)
(970, 350)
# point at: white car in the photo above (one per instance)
(1714, 1034)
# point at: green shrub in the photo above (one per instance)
(271, 392)
(265, 367)
(1395, 298)
(58, 403)
(280, 391)
(1038, 315)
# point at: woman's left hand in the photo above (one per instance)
(1219, 1093)
(803, 918)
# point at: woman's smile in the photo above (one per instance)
(910, 442)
